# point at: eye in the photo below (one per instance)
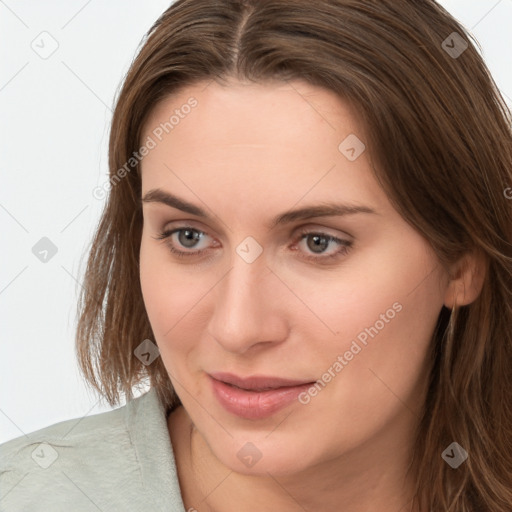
(316, 243)
(186, 237)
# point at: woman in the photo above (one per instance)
(306, 250)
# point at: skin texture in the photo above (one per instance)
(246, 153)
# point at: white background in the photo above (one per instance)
(55, 116)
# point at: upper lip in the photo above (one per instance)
(256, 382)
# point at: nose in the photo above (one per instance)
(250, 307)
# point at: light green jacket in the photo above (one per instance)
(120, 460)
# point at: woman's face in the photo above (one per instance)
(267, 286)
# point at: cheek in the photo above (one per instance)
(386, 375)
(379, 293)
(384, 315)
(172, 297)
(164, 295)
(165, 299)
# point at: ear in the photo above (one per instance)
(468, 276)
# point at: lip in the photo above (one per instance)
(253, 402)
(257, 382)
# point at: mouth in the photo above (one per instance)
(257, 383)
(257, 397)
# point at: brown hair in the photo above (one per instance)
(439, 134)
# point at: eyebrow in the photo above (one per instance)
(322, 210)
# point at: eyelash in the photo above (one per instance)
(346, 245)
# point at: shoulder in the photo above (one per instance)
(70, 432)
(43, 447)
(99, 461)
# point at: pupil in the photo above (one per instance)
(190, 237)
(317, 243)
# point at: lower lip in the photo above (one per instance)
(255, 405)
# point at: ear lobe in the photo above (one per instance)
(468, 279)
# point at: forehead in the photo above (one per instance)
(279, 139)
(249, 112)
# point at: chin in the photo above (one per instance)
(258, 454)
